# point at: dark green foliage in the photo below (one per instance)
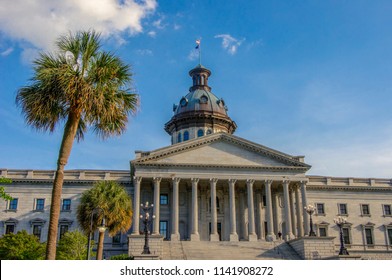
(121, 257)
(72, 246)
(21, 246)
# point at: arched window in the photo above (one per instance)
(209, 131)
(186, 135)
(179, 137)
(200, 133)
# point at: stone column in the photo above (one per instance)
(305, 203)
(287, 215)
(195, 211)
(157, 193)
(270, 223)
(136, 202)
(175, 234)
(276, 213)
(251, 211)
(233, 223)
(214, 236)
(259, 219)
(298, 204)
(292, 213)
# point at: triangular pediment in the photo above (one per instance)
(220, 150)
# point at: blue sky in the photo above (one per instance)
(307, 78)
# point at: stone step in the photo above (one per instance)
(242, 250)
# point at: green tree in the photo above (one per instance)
(81, 87)
(72, 246)
(116, 204)
(3, 194)
(21, 246)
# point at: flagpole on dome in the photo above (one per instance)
(198, 47)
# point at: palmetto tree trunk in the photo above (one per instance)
(64, 153)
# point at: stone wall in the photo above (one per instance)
(313, 247)
(136, 245)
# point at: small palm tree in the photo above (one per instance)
(116, 204)
(80, 86)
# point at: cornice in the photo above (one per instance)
(221, 166)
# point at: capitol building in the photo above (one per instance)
(212, 186)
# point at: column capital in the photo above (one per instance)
(303, 184)
(268, 182)
(176, 179)
(157, 179)
(286, 182)
(213, 180)
(232, 181)
(195, 180)
(250, 181)
(137, 179)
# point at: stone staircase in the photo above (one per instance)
(224, 250)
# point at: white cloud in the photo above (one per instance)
(152, 34)
(145, 52)
(229, 43)
(7, 52)
(41, 22)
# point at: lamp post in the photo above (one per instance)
(101, 228)
(147, 220)
(310, 210)
(340, 221)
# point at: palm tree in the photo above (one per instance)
(116, 205)
(83, 87)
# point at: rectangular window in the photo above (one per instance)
(342, 209)
(365, 209)
(264, 200)
(369, 236)
(322, 231)
(164, 199)
(390, 236)
(9, 229)
(63, 230)
(13, 204)
(320, 208)
(66, 205)
(37, 229)
(163, 229)
(39, 204)
(117, 239)
(346, 235)
(387, 210)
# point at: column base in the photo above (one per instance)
(195, 237)
(175, 237)
(233, 237)
(252, 237)
(289, 236)
(214, 237)
(270, 238)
